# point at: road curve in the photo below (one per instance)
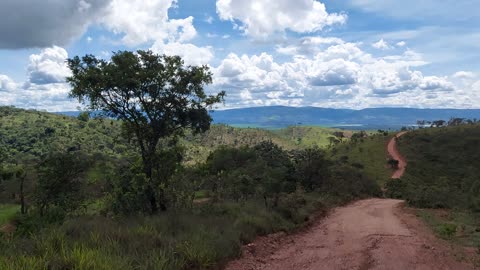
(368, 234)
(395, 154)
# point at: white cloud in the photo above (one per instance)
(209, 19)
(334, 72)
(436, 83)
(308, 45)
(6, 84)
(339, 75)
(464, 75)
(45, 87)
(381, 45)
(142, 21)
(49, 66)
(262, 18)
(401, 44)
(191, 54)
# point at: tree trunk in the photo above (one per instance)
(22, 197)
(150, 192)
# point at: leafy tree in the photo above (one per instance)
(456, 121)
(2, 160)
(339, 134)
(438, 123)
(333, 141)
(84, 116)
(278, 173)
(60, 182)
(156, 96)
(393, 163)
(312, 168)
(358, 136)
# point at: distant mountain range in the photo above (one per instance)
(374, 118)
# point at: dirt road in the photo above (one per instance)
(368, 234)
(395, 154)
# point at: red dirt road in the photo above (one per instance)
(395, 154)
(368, 234)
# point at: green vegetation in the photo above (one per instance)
(306, 136)
(458, 226)
(252, 190)
(201, 238)
(90, 188)
(34, 133)
(8, 212)
(368, 153)
(443, 173)
(156, 97)
(443, 168)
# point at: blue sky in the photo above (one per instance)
(340, 54)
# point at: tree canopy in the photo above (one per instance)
(156, 96)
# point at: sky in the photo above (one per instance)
(336, 54)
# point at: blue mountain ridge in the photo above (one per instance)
(371, 118)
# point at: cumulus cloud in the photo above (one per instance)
(191, 54)
(32, 23)
(262, 18)
(381, 45)
(464, 75)
(6, 84)
(49, 66)
(340, 74)
(401, 44)
(141, 21)
(45, 87)
(334, 72)
(308, 45)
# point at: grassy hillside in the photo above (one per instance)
(368, 153)
(443, 176)
(199, 147)
(36, 133)
(444, 166)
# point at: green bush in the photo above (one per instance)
(446, 230)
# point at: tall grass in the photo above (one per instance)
(202, 238)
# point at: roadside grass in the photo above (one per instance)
(460, 227)
(8, 212)
(204, 237)
(369, 153)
